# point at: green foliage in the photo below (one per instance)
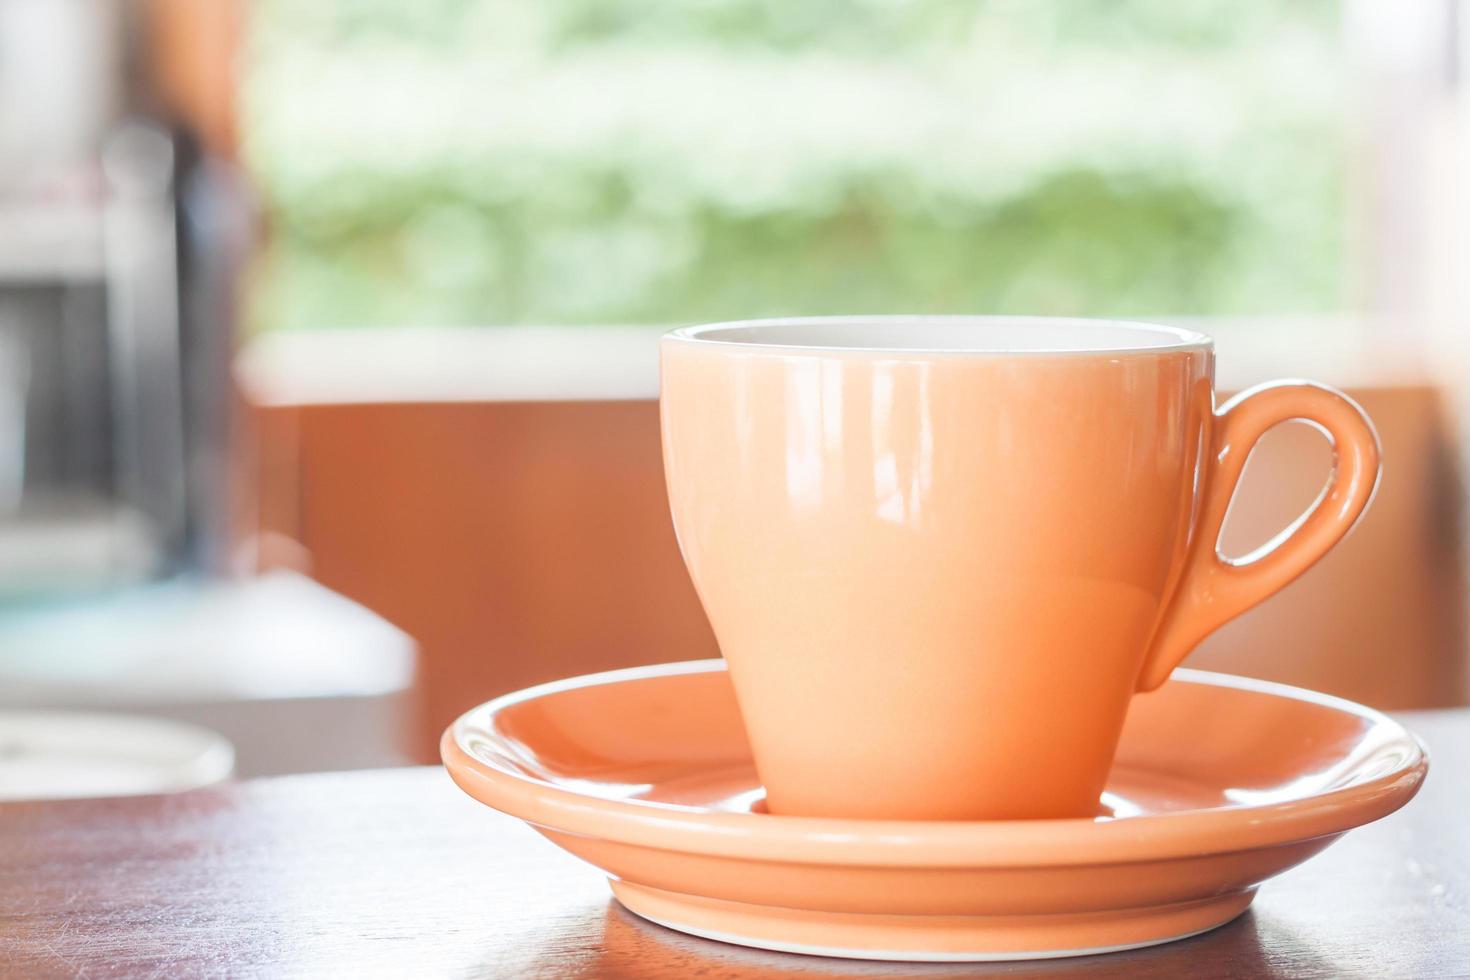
(586, 161)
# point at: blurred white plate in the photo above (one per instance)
(51, 755)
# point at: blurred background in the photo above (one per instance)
(328, 327)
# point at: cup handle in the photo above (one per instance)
(1213, 588)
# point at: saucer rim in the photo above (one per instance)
(998, 843)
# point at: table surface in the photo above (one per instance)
(395, 872)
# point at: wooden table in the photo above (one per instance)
(396, 873)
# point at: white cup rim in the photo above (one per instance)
(962, 336)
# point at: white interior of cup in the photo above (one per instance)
(949, 334)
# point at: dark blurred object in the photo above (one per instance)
(89, 309)
(124, 223)
(190, 77)
(119, 245)
(516, 523)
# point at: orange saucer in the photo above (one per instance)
(1220, 783)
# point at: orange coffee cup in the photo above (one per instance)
(941, 554)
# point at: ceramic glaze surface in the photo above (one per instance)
(648, 775)
(940, 555)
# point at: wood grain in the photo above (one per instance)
(396, 873)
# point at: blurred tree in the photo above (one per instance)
(486, 161)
